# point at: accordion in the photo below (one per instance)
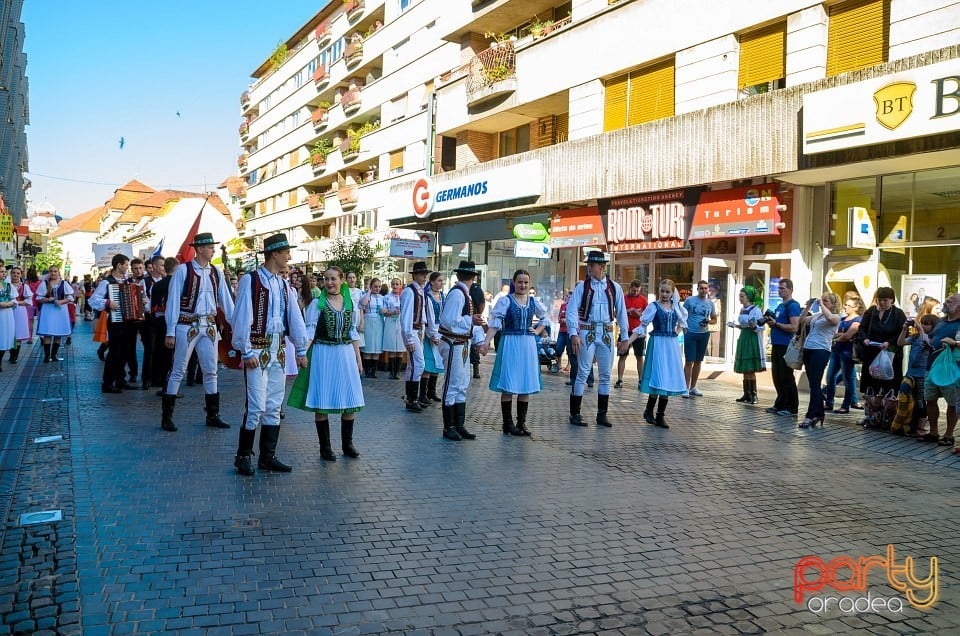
(126, 302)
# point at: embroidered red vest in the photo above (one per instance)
(260, 297)
(587, 299)
(191, 288)
(417, 306)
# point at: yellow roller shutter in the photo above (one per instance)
(762, 55)
(292, 199)
(651, 93)
(561, 128)
(859, 35)
(615, 103)
(396, 160)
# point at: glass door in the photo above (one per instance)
(721, 274)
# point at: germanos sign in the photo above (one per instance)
(431, 195)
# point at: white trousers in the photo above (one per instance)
(415, 362)
(456, 359)
(206, 354)
(604, 356)
(265, 390)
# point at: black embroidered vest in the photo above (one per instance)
(333, 327)
(191, 288)
(417, 306)
(587, 299)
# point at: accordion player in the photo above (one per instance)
(126, 302)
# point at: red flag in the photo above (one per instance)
(186, 252)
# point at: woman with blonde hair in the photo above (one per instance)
(821, 320)
(392, 338)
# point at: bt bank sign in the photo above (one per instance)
(430, 196)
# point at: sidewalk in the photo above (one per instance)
(629, 530)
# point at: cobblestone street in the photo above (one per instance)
(631, 530)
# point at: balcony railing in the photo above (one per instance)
(496, 64)
(318, 161)
(320, 77)
(244, 129)
(319, 117)
(353, 9)
(245, 99)
(323, 32)
(347, 195)
(350, 100)
(242, 160)
(315, 202)
(353, 52)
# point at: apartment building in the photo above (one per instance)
(739, 142)
(14, 111)
(337, 114)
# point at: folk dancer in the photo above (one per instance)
(266, 313)
(54, 323)
(23, 296)
(596, 303)
(413, 318)
(162, 357)
(517, 368)
(457, 321)
(8, 304)
(197, 290)
(121, 335)
(371, 305)
(433, 361)
(331, 383)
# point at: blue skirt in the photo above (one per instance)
(433, 361)
(663, 367)
(517, 367)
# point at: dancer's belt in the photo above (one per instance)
(598, 331)
(596, 326)
(452, 338)
(197, 322)
(193, 319)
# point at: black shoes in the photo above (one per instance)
(106, 388)
(244, 465)
(166, 413)
(603, 421)
(212, 407)
(648, 417)
(660, 422)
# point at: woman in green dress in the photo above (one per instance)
(750, 357)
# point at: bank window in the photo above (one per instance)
(639, 96)
(515, 141)
(920, 207)
(858, 35)
(762, 59)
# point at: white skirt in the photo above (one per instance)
(334, 380)
(54, 320)
(392, 340)
(517, 367)
(290, 353)
(21, 319)
(372, 334)
(7, 329)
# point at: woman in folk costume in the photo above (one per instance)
(23, 296)
(331, 382)
(356, 295)
(517, 368)
(33, 282)
(750, 357)
(53, 296)
(663, 365)
(433, 361)
(8, 304)
(370, 305)
(392, 338)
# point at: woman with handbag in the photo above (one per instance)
(750, 356)
(821, 323)
(879, 330)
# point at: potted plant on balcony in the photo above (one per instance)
(315, 201)
(352, 147)
(319, 114)
(319, 151)
(539, 28)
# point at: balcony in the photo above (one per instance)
(316, 204)
(321, 78)
(350, 101)
(350, 148)
(245, 100)
(244, 131)
(242, 161)
(318, 161)
(354, 9)
(353, 52)
(320, 116)
(323, 34)
(492, 73)
(347, 195)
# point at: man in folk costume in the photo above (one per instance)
(120, 334)
(595, 305)
(457, 320)
(413, 319)
(153, 275)
(266, 312)
(197, 290)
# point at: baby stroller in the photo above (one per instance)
(547, 352)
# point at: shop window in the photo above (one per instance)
(515, 141)
(640, 96)
(858, 35)
(844, 195)
(763, 59)
(930, 260)
(937, 206)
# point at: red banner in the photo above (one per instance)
(749, 211)
(576, 228)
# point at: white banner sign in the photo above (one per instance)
(409, 248)
(104, 252)
(430, 195)
(529, 249)
(914, 103)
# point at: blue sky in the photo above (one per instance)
(108, 69)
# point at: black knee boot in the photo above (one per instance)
(412, 403)
(460, 418)
(46, 352)
(242, 461)
(661, 407)
(602, 402)
(746, 392)
(269, 435)
(575, 402)
(212, 406)
(323, 434)
(753, 392)
(422, 397)
(648, 412)
(54, 352)
(15, 354)
(166, 413)
(522, 417)
(432, 389)
(346, 438)
(394, 368)
(449, 429)
(506, 409)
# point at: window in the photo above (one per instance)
(427, 93)
(312, 66)
(331, 54)
(396, 162)
(561, 127)
(762, 57)
(398, 108)
(639, 96)
(292, 199)
(404, 5)
(298, 79)
(295, 158)
(448, 153)
(858, 35)
(514, 141)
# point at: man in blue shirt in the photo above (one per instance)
(781, 332)
(700, 312)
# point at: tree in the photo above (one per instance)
(352, 254)
(51, 255)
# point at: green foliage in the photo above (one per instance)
(323, 105)
(499, 72)
(321, 147)
(352, 254)
(279, 55)
(51, 255)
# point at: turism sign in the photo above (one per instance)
(644, 222)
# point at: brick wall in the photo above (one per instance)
(475, 147)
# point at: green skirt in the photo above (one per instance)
(749, 358)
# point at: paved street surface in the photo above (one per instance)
(633, 530)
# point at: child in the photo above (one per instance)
(917, 367)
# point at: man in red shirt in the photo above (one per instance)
(636, 302)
